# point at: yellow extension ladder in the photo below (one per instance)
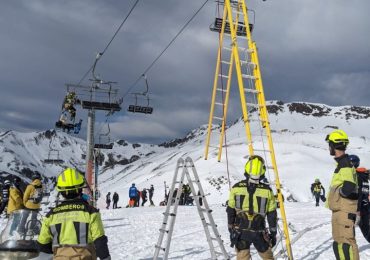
(236, 47)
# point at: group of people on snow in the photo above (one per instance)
(14, 198)
(252, 204)
(135, 195)
(115, 200)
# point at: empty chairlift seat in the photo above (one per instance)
(140, 109)
(240, 31)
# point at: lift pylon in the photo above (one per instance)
(237, 51)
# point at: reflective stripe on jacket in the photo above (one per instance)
(343, 192)
(71, 223)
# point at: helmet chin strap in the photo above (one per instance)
(331, 148)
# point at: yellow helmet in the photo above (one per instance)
(70, 179)
(255, 168)
(338, 139)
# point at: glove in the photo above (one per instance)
(233, 236)
(273, 239)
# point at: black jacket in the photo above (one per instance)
(115, 197)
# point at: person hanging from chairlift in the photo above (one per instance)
(68, 116)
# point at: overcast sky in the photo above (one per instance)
(317, 51)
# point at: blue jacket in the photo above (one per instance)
(132, 193)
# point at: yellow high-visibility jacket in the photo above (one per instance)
(30, 198)
(15, 199)
(263, 200)
(73, 223)
(343, 192)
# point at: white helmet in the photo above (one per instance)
(6, 182)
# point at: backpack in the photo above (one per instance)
(37, 195)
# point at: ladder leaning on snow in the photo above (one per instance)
(171, 212)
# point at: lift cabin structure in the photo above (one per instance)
(238, 58)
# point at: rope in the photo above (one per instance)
(111, 40)
(165, 49)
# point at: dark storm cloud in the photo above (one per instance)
(309, 50)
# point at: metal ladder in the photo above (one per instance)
(204, 212)
(238, 51)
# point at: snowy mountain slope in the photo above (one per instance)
(299, 130)
(132, 233)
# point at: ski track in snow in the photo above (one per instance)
(133, 232)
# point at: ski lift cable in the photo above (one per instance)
(109, 43)
(165, 49)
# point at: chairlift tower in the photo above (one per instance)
(100, 96)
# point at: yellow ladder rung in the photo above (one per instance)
(248, 90)
(223, 76)
(248, 76)
(248, 63)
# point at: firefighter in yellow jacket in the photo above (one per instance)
(342, 198)
(73, 229)
(250, 203)
(32, 201)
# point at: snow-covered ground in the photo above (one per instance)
(133, 232)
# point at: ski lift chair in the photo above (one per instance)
(241, 29)
(53, 157)
(108, 144)
(138, 108)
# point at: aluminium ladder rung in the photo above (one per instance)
(248, 90)
(227, 48)
(220, 104)
(162, 248)
(226, 62)
(223, 76)
(246, 76)
(245, 49)
(219, 118)
(220, 89)
(252, 64)
(237, 12)
(257, 120)
(253, 105)
(169, 214)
